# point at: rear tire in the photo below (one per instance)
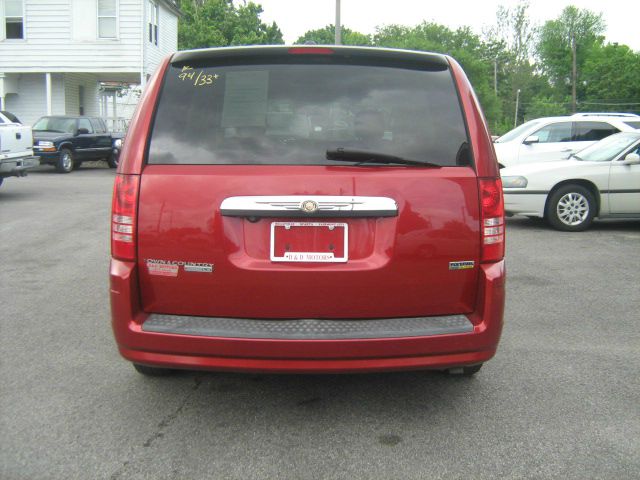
(65, 163)
(153, 371)
(571, 208)
(113, 160)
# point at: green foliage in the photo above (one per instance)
(574, 28)
(327, 35)
(511, 42)
(546, 106)
(515, 31)
(212, 23)
(462, 44)
(498, 64)
(611, 74)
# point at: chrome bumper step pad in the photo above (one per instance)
(307, 329)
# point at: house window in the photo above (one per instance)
(154, 15)
(14, 19)
(107, 19)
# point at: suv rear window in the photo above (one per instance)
(593, 131)
(292, 113)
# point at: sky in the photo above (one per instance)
(294, 17)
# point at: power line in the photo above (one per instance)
(581, 103)
(604, 103)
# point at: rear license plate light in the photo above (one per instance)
(310, 242)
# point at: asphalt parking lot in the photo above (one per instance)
(560, 399)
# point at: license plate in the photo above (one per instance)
(309, 242)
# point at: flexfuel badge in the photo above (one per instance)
(464, 265)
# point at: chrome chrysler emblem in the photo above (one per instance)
(309, 206)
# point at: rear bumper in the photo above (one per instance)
(17, 167)
(524, 203)
(434, 350)
(47, 158)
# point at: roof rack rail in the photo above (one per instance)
(605, 114)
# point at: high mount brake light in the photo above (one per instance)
(123, 216)
(311, 51)
(492, 205)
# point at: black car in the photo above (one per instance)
(67, 141)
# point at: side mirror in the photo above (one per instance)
(631, 159)
(531, 139)
(82, 131)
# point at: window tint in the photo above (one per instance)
(98, 126)
(556, 132)
(85, 123)
(593, 131)
(55, 124)
(633, 124)
(294, 113)
(11, 117)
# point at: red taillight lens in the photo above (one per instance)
(311, 51)
(123, 217)
(492, 219)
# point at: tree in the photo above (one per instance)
(212, 23)
(545, 106)
(565, 44)
(510, 43)
(326, 36)
(462, 44)
(610, 76)
(514, 31)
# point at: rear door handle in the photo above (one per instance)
(308, 206)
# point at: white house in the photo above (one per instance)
(55, 54)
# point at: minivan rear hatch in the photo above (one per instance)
(319, 185)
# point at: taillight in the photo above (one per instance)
(123, 217)
(311, 51)
(492, 219)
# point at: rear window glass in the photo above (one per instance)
(293, 113)
(11, 117)
(593, 131)
(633, 124)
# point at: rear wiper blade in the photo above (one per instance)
(347, 155)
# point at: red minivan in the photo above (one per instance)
(307, 209)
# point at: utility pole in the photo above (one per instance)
(515, 118)
(574, 73)
(338, 26)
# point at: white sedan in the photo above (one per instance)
(602, 180)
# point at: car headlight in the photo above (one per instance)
(514, 182)
(117, 143)
(45, 144)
